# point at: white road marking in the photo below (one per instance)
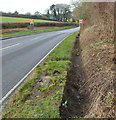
(34, 39)
(9, 93)
(10, 46)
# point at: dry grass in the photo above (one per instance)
(97, 44)
(91, 94)
(99, 67)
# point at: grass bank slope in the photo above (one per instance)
(97, 43)
(19, 20)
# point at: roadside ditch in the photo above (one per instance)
(90, 87)
(74, 102)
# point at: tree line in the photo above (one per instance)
(58, 12)
(37, 15)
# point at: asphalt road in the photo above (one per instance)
(21, 54)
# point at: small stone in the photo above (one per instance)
(63, 104)
(76, 66)
(40, 80)
(78, 96)
(56, 72)
(77, 54)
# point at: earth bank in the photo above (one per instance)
(89, 90)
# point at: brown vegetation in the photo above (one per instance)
(89, 89)
(23, 25)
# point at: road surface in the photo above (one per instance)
(21, 54)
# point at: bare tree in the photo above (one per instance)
(82, 10)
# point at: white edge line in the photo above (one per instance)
(8, 94)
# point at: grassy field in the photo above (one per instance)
(15, 20)
(34, 31)
(24, 105)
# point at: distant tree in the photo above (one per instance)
(60, 12)
(48, 13)
(28, 14)
(53, 10)
(9, 13)
(37, 13)
(16, 13)
(0, 13)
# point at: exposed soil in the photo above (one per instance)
(43, 80)
(73, 94)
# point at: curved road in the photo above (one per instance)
(21, 54)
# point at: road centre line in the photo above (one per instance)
(10, 46)
(34, 39)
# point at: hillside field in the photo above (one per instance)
(16, 19)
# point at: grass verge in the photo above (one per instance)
(26, 104)
(35, 31)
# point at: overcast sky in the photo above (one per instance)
(24, 6)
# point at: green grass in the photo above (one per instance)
(108, 99)
(64, 49)
(34, 31)
(47, 105)
(15, 20)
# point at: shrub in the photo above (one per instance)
(23, 25)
